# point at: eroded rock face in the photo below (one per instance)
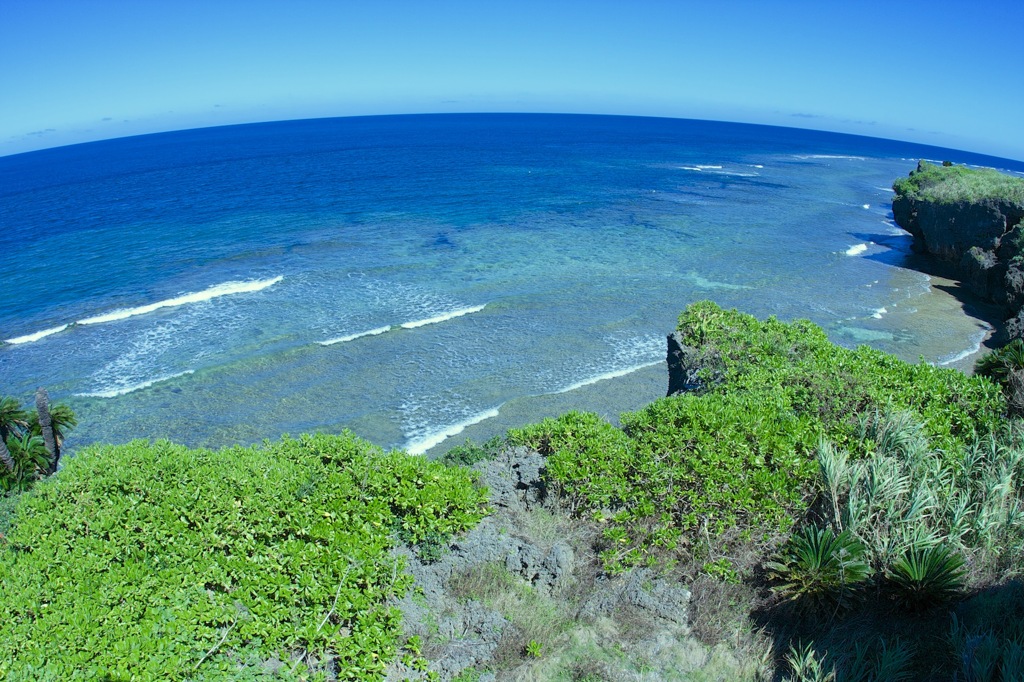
(981, 241)
(950, 230)
(685, 365)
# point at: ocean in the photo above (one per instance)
(421, 279)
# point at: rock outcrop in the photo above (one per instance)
(689, 368)
(976, 235)
(459, 632)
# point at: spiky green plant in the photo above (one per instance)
(1006, 367)
(1001, 362)
(887, 661)
(30, 459)
(819, 568)
(13, 419)
(927, 576)
(805, 666)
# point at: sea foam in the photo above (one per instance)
(420, 445)
(115, 391)
(856, 250)
(29, 338)
(443, 317)
(702, 282)
(827, 157)
(614, 374)
(967, 352)
(718, 170)
(225, 289)
(357, 335)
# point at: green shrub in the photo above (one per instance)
(155, 561)
(806, 666)
(794, 365)
(987, 634)
(469, 453)
(589, 460)
(1000, 363)
(951, 184)
(820, 569)
(686, 469)
(927, 576)
(903, 494)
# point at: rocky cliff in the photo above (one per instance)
(971, 221)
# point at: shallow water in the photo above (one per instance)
(408, 277)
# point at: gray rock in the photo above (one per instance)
(685, 364)
(466, 633)
(547, 571)
(641, 589)
(976, 269)
(557, 566)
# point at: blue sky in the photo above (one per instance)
(940, 72)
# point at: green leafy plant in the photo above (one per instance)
(927, 576)
(1006, 367)
(156, 561)
(885, 661)
(953, 183)
(686, 469)
(806, 666)
(819, 569)
(534, 649)
(469, 453)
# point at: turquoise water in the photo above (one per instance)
(409, 276)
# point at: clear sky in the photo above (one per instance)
(944, 72)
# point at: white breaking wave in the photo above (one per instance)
(225, 289)
(130, 388)
(829, 156)
(718, 170)
(878, 313)
(29, 338)
(966, 352)
(443, 317)
(357, 335)
(961, 355)
(417, 446)
(866, 206)
(856, 250)
(614, 374)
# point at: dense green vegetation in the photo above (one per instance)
(739, 458)
(864, 516)
(951, 184)
(155, 561)
(868, 497)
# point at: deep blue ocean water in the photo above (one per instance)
(407, 276)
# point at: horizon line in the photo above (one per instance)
(827, 131)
